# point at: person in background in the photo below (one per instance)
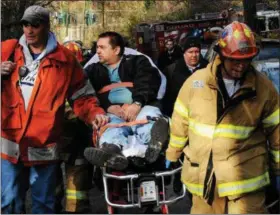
(33, 92)
(170, 55)
(76, 49)
(178, 72)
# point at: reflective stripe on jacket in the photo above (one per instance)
(33, 134)
(236, 140)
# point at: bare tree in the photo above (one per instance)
(11, 13)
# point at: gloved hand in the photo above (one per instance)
(167, 164)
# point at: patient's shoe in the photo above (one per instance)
(108, 155)
(159, 137)
(138, 162)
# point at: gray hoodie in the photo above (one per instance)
(27, 82)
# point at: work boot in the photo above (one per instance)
(138, 162)
(159, 137)
(108, 155)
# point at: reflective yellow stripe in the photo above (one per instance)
(244, 186)
(181, 109)
(74, 194)
(201, 129)
(272, 119)
(177, 142)
(276, 155)
(175, 145)
(196, 189)
(234, 132)
(222, 130)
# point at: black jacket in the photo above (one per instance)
(166, 58)
(133, 68)
(176, 74)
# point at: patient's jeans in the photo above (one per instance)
(142, 132)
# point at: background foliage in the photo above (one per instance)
(84, 20)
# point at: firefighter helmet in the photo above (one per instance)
(76, 49)
(237, 41)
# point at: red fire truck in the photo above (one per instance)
(151, 38)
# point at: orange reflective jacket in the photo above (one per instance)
(33, 134)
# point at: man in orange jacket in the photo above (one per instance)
(33, 93)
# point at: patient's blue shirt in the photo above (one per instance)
(120, 94)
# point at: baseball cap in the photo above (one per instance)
(191, 42)
(36, 14)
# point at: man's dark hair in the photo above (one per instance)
(115, 39)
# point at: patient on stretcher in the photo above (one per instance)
(128, 89)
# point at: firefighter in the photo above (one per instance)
(75, 138)
(228, 114)
(76, 49)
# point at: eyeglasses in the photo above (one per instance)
(34, 25)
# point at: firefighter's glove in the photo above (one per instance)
(167, 164)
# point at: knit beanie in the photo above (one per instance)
(191, 42)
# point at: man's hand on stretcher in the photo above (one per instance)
(129, 113)
(117, 110)
(99, 121)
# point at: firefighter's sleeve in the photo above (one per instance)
(270, 122)
(82, 97)
(179, 126)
